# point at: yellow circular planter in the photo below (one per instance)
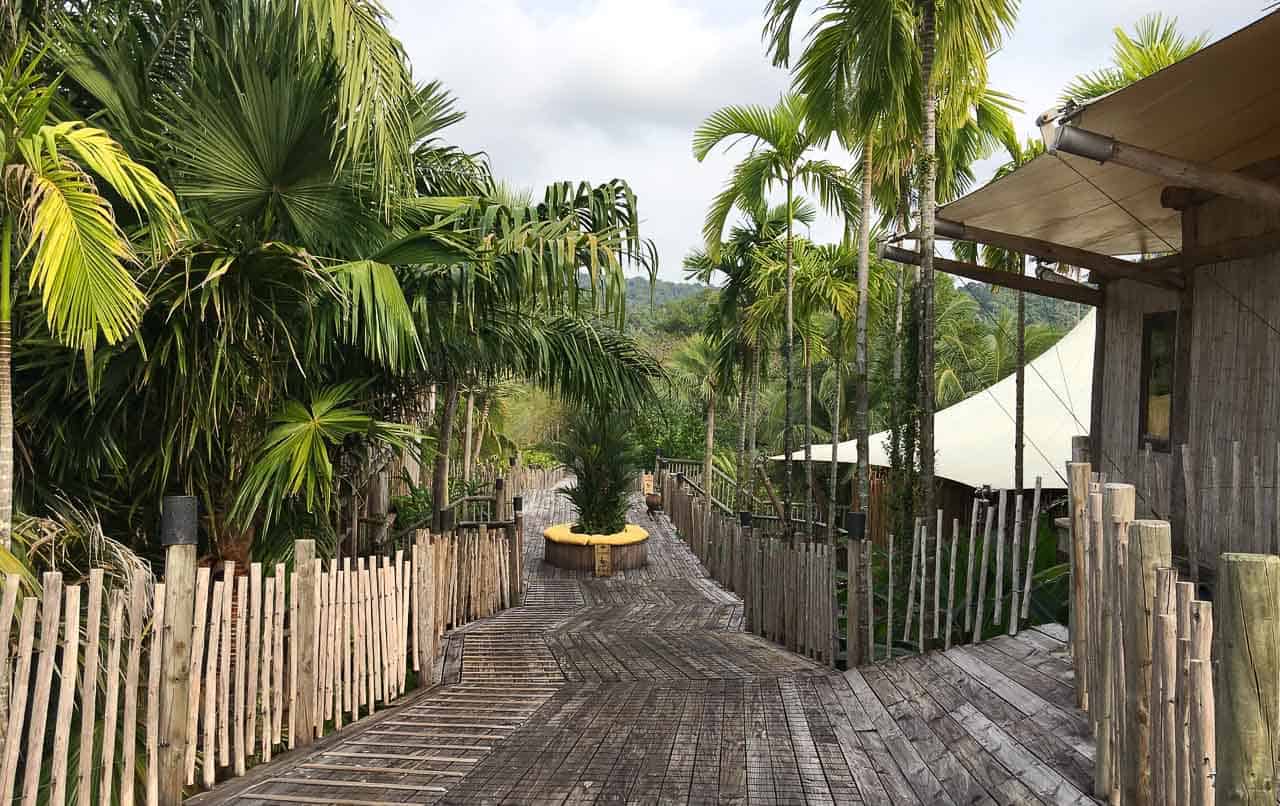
(576, 552)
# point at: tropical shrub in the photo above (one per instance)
(598, 450)
(539, 459)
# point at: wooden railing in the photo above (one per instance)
(788, 587)
(252, 663)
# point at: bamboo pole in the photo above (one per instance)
(1247, 695)
(1149, 549)
(970, 559)
(937, 576)
(951, 581)
(1184, 594)
(997, 606)
(1078, 492)
(911, 579)
(1202, 732)
(1117, 512)
(1164, 639)
(1015, 607)
(88, 681)
(1033, 534)
(924, 579)
(50, 611)
(304, 553)
(888, 631)
(982, 576)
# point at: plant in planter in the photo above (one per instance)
(598, 450)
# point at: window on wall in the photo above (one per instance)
(1158, 333)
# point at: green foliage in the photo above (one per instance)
(597, 448)
(539, 459)
(1155, 44)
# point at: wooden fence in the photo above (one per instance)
(271, 658)
(1141, 647)
(788, 588)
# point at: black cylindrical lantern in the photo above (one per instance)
(178, 522)
(855, 525)
(446, 520)
(497, 483)
(517, 504)
(511, 460)
(744, 519)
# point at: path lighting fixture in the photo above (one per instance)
(178, 523)
(744, 519)
(517, 504)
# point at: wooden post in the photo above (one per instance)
(303, 638)
(1098, 390)
(1184, 594)
(178, 534)
(1117, 512)
(1149, 549)
(1078, 493)
(513, 565)
(951, 583)
(1247, 695)
(1202, 731)
(501, 495)
(1164, 669)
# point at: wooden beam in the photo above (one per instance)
(1099, 385)
(1180, 399)
(1091, 145)
(1045, 288)
(1234, 249)
(1105, 265)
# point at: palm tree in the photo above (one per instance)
(737, 262)
(781, 140)
(699, 370)
(76, 254)
(1155, 44)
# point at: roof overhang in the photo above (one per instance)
(1218, 109)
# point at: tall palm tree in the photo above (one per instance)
(66, 232)
(737, 262)
(781, 140)
(699, 370)
(1155, 44)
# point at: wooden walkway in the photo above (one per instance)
(643, 688)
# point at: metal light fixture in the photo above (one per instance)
(855, 525)
(178, 522)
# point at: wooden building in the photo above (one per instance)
(1166, 194)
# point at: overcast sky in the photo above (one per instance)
(592, 90)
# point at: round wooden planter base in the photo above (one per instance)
(583, 558)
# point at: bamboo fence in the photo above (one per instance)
(253, 671)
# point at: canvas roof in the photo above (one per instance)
(974, 438)
(1220, 106)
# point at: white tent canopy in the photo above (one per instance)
(974, 438)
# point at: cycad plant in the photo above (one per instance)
(598, 450)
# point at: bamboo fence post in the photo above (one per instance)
(8, 606)
(1033, 534)
(153, 698)
(1149, 549)
(1015, 589)
(871, 609)
(18, 703)
(88, 680)
(970, 559)
(1247, 694)
(137, 610)
(982, 575)
(911, 579)
(239, 753)
(1164, 667)
(1118, 509)
(1184, 594)
(66, 694)
(199, 632)
(937, 576)
(1203, 732)
(1190, 524)
(304, 554)
(115, 622)
(224, 660)
(1078, 492)
(50, 610)
(924, 579)
(951, 582)
(209, 767)
(888, 632)
(997, 606)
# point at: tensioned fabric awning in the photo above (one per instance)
(974, 438)
(1220, 106)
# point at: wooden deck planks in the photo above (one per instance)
(642, 688)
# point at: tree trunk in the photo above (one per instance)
(440, 475)
(753, 417)
(927, 204)
(1019, 413)
(484, 423)
(834, 468)
(709, 446)
(788, 339)
(808, 441)
(742, 467)
(862, 410)
(6, 387)
(466, 437)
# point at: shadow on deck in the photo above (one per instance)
(643, 688)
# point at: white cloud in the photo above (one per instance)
(579, 89)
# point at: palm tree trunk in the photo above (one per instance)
(440, 474)
(753, 418)
(709, 445)
(6, 387)
(742, 467)
(466, 437)
(808, 440)
(927, 211)
(1020, 385)
(834, 469)
(788, 389)
(862, 406)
